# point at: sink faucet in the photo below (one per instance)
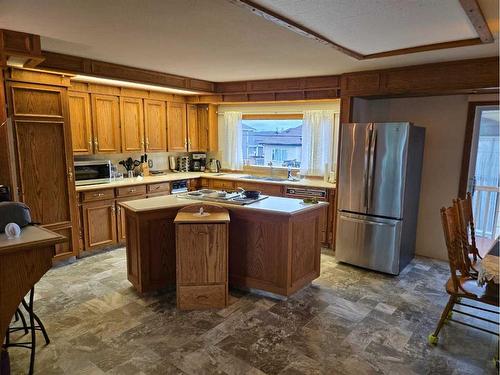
(270, 164)
(289, 176)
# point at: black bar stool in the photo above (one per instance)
(35, 324)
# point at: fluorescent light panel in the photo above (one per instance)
(114, 82)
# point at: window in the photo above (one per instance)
(275, 139)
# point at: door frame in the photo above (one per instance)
(469, 134)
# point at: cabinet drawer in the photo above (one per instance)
(131, 190)
(222, 184)
(201, 296)
(161, 186)
(97, 195)
(158, 194)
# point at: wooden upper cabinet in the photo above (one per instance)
(192, 127)
(81, 122)
(176, 125)
(132, 124)
(106, 123)
(208, 127)
(155, 121)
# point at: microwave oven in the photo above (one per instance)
(91, 172)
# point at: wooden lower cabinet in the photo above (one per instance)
(222, 184)
(266, 189)
(120, 218)
(99, 224)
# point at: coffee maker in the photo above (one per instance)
(198, 162)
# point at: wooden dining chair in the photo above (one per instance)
(461, 285)
(466, 227)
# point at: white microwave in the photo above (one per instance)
(91, 172)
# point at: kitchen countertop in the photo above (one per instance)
(275, 205)
(307, 182)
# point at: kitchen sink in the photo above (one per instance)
(262, 178)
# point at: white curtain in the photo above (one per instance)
(232, 146)
(319, 132)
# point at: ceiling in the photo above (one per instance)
(218, 41)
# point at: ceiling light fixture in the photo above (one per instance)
(141, 86)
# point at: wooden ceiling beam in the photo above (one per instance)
(476, 17)
(282, 21)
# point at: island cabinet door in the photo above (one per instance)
(99, 223)
(132, 124)
(155, 124)
(176, 126)
(201, 254)
(120, 218)
(106, 123)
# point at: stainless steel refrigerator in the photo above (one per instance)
(378, 192)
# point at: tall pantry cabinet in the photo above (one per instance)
(38, 110)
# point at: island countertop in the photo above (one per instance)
(276, 205)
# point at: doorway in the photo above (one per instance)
(481, 172)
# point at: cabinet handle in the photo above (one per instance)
(98, 194)
(147, 142)
(90, 143)
(96, 144)
(142, 143)
(131, 190)
(185, 143)
(118, 209)
(70, 175)
(113, 208)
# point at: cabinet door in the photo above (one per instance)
(132, 124)
(106, 123)
(44, 160)
(155, 121)
(99, 224)
(120, 219)
(193, 131)
(81, 122)
(203, 132)
(177, 128)
(201, 253)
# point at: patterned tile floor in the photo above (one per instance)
(350, 321)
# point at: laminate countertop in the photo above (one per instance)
(275, 205)
(306, 182)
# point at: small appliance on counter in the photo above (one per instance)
(183, 163)
(91, 172)
(214, 165)
(198, 162)
(172, 164)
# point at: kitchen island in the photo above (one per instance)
(274, 244)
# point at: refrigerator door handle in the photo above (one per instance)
(382, 224)
(371, 167)
(368, 137)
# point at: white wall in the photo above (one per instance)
(444, 118)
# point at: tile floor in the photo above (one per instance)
(350, 321)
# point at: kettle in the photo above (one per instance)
(214, 165)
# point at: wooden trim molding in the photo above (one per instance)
(82, 65)
(476, 17)
(469, 132)
(23, 46)
(471, 8)
(294, 26)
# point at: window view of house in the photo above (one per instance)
(276, 141)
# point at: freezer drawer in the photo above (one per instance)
(368, 242)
